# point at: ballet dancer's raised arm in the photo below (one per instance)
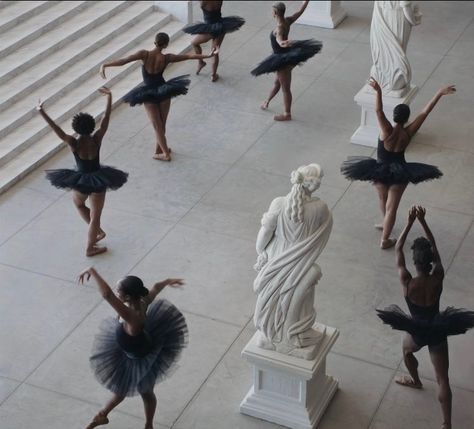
(416, 124)
(104, 124)
(291, 19)
(159, 286)
(140, 55)
(384, 124)
(403, 272)
(108, 294)
(438, 266)
(55, 127)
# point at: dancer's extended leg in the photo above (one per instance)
(154, 113)
(101, 417)
(284, 76)
(382, 191)
(216, 43)
(440, 358)
(273, 92)
(149, 404)
(97, 204)
(410, 347)
(196, 43)
(395, 193)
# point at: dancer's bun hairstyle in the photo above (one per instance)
(162, 40)
(133, 287)
(401, 113)
(422, 253)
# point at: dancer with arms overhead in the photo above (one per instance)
(426, 326)
(90, 180)
(390, 173)
(139, 347)
(155, 93)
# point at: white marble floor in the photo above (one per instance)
(197, 218)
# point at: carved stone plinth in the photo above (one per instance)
(288, 390)
(326, 14)
(368, 131)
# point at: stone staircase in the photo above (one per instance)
(52, 50)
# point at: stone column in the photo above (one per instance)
(181, 10)
(326, 14)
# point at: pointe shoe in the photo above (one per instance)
(387, 244)
(162, 157)
(284, 117)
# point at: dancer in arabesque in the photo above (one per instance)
(390, 173)
(286, 55)
(90, 180)
(426, 325)
(138, 348)
(155, 93)
(214, 28)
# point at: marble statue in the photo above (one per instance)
(294, 232)
(389, 34)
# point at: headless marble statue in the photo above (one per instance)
(294, 232)
(389, 34)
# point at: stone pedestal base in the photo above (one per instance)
(368, 131)
(326, 14)
(287, 390)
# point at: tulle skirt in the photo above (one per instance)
(101, 180)
(300, 51)
(368, 169)
(451, 321)
(144, 93)
(225, 25)
(128, 375)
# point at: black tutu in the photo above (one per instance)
(100, 180)
(451, 321)
(227, 24)
(368, 169)
(126, 374)
(153, 93)
(299, 52)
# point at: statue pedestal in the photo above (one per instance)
(326, 14)
(368, 131)
(287, 390)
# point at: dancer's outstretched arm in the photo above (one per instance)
(384, 124)
(172, 58)
(416, 124)
(159, 286)
(438, 266)
(108, 294)
(291, 19)
(403, 272)
(104, 124)
(140, 55)
(55, 127)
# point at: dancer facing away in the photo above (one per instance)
(427, 326)
(90, 180)
(137, 349)
(213, 28)
(390, 173)
(286, 55)
(155, 93)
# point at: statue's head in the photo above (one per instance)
(401, 113)
(305, 180)
(422, 254)
(279, 9)
(308, 176)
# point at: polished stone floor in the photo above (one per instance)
(197, 218)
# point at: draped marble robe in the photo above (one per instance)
(389, 34)
(285, 285)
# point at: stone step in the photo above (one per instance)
(18, 11)
(84, 21)
(54, 77)
(46, 144)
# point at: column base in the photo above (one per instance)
(288, 390)
(326, 14)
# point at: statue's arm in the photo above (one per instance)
(411, 13)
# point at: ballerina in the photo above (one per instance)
(427, 326)
(140, 347)
(390, 173)
(155, 93)
(90, 180)
(286, 55)
(213, 28)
